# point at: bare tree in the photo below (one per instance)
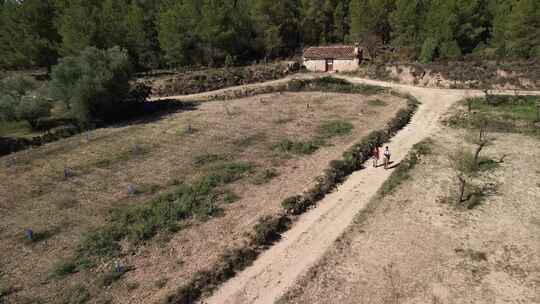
(462, 162)
(461, 188)
(481, 142)
(479, 137)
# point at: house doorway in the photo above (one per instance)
(329, 65)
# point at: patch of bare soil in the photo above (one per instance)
(413, 246)
(61, 205)
(459, 75)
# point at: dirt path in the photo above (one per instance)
(278, 268)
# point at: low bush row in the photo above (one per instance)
(269, 229)
(10, 145)
(324, 84)
(331, 84)
(215, 79)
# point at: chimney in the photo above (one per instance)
(357, 49)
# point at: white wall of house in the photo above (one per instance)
(315, 65)
(342, 65)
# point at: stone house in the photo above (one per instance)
(342, 58)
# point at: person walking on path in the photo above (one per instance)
(386, 157)
(376, 155)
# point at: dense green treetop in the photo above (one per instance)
(173, 33)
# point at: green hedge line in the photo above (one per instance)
(269, 229)
(325, 84)
(11, 145)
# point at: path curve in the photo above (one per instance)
(278, 268)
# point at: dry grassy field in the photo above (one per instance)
(254, 152)
(416, 244)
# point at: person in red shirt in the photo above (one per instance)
(376, 155)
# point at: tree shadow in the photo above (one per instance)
(151, 111)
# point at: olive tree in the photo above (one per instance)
(94, 85)
(31, 108)
(21, 100)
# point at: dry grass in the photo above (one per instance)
(156, 156)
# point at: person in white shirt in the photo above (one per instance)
(386, 158)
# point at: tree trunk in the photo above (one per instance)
(462, 184)
(481, 146)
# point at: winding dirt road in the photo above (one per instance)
(277, 269)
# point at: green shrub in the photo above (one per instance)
(230, 172)
(293, 204)
(94, 85)
(338, 170)
(487, 164)
(64, 268)
(297, 147)
(268, 230)
(71, 265)
(21, 100)
(328, 80)
(102, 242)
(334, 128)
(234, 260)
(4, 289)
(33, 108)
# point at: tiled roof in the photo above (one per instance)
(330, 52)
